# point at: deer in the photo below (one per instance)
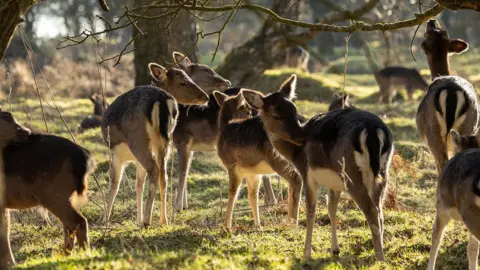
(450, 101)
(94, 120)
(246, 152)
(138, 127)
(297, 57)
(390, 78)
(56, 178)
(344, 150)
(458, 196)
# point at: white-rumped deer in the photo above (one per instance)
(390, 78)
(45, 170)
(450, 102)
(458, 197)
(345, 150)
(138, 127)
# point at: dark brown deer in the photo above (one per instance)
(390, 78)
(458, 197)
(246, 152)
(450, 102)
(138, 127)
(297, 57)
(345, 150)
(56, 178)
(94, 120)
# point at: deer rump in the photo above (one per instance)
(44, 163)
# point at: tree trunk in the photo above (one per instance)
(245, 65)
(158, 44)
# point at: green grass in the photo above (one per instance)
(197, 239)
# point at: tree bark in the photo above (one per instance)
(158, 43)
(245, 65)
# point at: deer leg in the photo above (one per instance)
(269, 195)
(311, 200)
(139, 187)
(234, 181)
(472, 251)
(253, 186)
(294, 187)
(184, 157)
(162, 160)
(332, 204)
(6, 249)
(373, 216)
(441, 221)
(409, 92)
(185, 191)
(439, 151)
(115, 173)
(74, 224)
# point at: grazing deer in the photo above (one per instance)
(202, 75)
(138, 127)
(94, 120)
(246, 152)
(345, 150)
(297, 57)
(48, 171)
(458, 197)
(450, 102)
(391, 77)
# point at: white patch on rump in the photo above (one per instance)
(363, 162)
(441, 118)
(172, 122)
(326, 178)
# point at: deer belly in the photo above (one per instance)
(260, 168)
(326, 178)
(19, 196)
(203, 147)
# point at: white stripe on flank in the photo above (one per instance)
(363, 162)
(172, 122)
(442, 99)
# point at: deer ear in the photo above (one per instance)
(346, 98)
(289, 86)
(455, 137)
(158, 72)
(253, 98)
(457, 46)
(219, 97)
(181, 60)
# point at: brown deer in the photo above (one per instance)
(138, 127)
(458, 197)
(56, 178)
(450, 102)
(297, 57)
(94, 120)
(390, 78)
(345, 150)
(246, 152)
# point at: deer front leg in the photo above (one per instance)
(311, 200)
(269, 194)
(234, 181)
(139, 187)
(184, 157)
(332, 204)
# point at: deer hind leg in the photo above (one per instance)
(184, 158)
(471, 221)
(120, 155)
(269, 194)
(234, 182)
(472, 251)
(162, 159)
(373, 215)
(439, 151)
(5, 248)
(139, 187)
(311, 200)
(332, 204)
(74, 224)
(185, 190)
(441, 221)
(253, 186)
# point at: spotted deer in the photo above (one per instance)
(56, 178)
(458, 196)
(94, 120)
(450, 102)
(344, 150)
(138, 127)
(246, 152)
(390, 78)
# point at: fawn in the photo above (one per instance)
(138, 127)
(94, 120)
(391, 77)
(345, 150)
(450, 102)
(458, 196)
(297, 57)
(246, 152)
(56, 178)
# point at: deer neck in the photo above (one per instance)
(287, 149)
(224, 117)
(439, 66)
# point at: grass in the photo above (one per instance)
(197, 239)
